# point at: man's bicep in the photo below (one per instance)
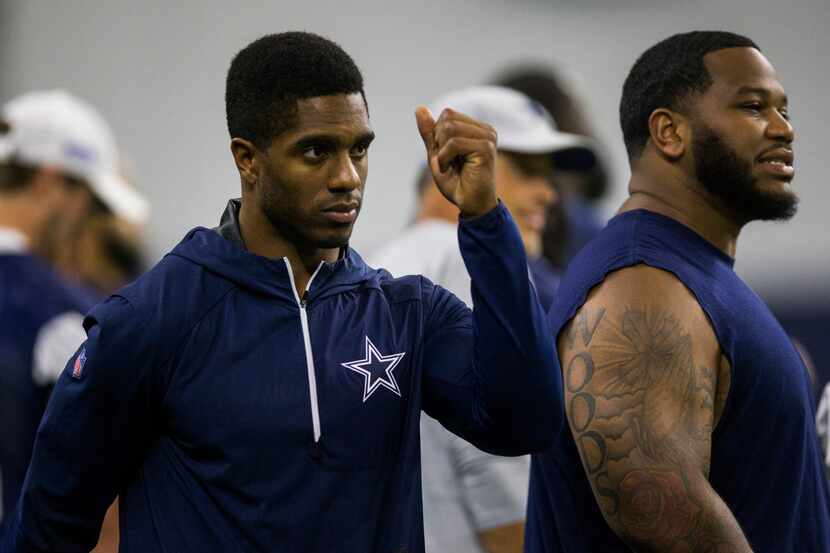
(639, 398)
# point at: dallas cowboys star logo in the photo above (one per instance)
(373, 367)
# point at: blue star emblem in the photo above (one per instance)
(376, 369)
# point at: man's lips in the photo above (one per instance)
(342, 213)
(777, 162)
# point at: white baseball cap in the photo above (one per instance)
(52, 127)
(523, 125)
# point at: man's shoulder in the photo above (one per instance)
(642, 283)
(172, 293)
(403, 288)
(413, 288)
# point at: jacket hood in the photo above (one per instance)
(222, 252)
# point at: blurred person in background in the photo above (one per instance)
(691, 413)
(107, 251)
(58, 169)
(823, 407)
(582, 175)
(109, 254)
(260, 388)
(474, 501)
(103, 254)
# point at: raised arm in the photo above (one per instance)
(490, 374)
(645, 384)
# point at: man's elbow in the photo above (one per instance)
(652, 510)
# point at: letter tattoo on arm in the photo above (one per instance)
(642, 412)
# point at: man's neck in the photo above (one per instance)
(261, 238)
(686, 202)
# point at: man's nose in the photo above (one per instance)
(346, 175)
(780, 128)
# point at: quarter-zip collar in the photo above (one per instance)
(222, 251)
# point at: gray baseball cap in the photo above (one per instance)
(52, 127)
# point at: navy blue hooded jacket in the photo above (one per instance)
(232, 415)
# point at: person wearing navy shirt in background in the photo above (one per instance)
(58, 167)
(260, 389)
(691, 422)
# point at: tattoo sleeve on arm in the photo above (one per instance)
(641, 412)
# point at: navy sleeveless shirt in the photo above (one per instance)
(766, 463)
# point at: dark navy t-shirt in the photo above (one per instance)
(40, 328)
(765, 463)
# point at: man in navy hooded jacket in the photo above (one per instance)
(260, 389)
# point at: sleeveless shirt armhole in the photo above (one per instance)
(629, 259)
(642, 260)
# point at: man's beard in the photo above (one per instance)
(724, 175)
(285, 223)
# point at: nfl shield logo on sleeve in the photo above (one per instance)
(78, 367)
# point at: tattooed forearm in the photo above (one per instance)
(641, 413)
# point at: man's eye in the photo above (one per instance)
(360, 150)
(753, 107)
(785, 113)
(315, 153)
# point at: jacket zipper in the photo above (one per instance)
(309, 356)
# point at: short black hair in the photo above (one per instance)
(665, 76)
(267, 77)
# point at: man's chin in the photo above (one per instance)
(775, 202)
(767, 184)
(337, 240)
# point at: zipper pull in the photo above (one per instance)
(304, 299)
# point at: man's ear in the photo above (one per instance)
(669, 132)
(247, 161)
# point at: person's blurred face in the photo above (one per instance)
(742, 137)
(524, 182)
(64, 204)
(311, 186)
(108, 254)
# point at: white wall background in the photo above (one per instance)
(156, 70)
